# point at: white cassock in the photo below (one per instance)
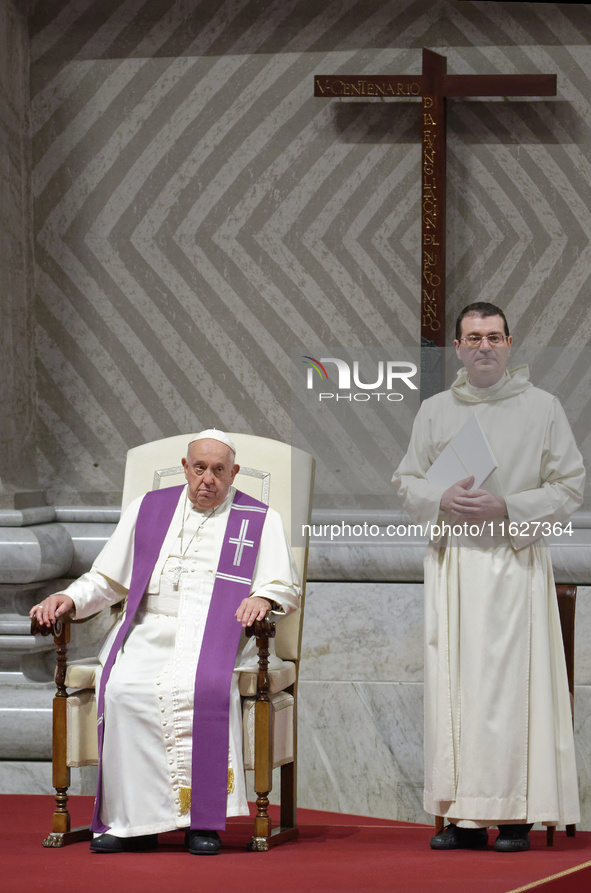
(149, 697)
(498, 732)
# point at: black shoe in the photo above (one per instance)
(454, 838)
(203, 843)
(108, 843)
(513, 839)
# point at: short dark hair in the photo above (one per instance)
(481, 309)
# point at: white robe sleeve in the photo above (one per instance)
(420, 498)
(93, 592)
(561, 482)
(107, 582)
(276, 576)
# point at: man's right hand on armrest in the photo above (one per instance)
(51, 608)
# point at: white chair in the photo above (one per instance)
(282, 477)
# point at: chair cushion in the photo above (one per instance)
(81, 673)
(282, 736)
(81, 740)
(279, 678)
(81, 713)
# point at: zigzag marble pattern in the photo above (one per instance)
(201, 219)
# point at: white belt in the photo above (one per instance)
(162, 604)
(167, 601)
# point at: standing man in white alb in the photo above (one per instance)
(196, 565)
(499, 747)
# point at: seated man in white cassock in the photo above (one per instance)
(197, 564)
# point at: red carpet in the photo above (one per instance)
(334, 854)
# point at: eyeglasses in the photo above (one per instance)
(476, 340)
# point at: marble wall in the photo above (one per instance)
(361, 724)
(361, 699)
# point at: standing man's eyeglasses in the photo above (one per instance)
(476, 340)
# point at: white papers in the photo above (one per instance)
(468, 453)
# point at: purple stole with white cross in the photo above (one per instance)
(221, 638)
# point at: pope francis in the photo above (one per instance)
(195, 565)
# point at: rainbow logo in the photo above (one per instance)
(315, 364)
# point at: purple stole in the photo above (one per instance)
(218, 651)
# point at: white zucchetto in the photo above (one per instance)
(214, 434)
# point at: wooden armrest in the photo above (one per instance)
(39, 629)
(60, 630)
(54, 629)
(62, 832)
(262, 630)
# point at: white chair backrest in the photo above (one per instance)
(274, 472)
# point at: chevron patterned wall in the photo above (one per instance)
(202, 222)
(17, 385)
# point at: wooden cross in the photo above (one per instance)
(433, 86)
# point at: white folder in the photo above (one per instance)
(468, 453)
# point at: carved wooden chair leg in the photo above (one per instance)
(289, 790)
(263, 745)
(61, 831)
(288, 812)
(263, 780)
(567, 598)
(60, 773)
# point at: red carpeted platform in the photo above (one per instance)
(334, 852)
